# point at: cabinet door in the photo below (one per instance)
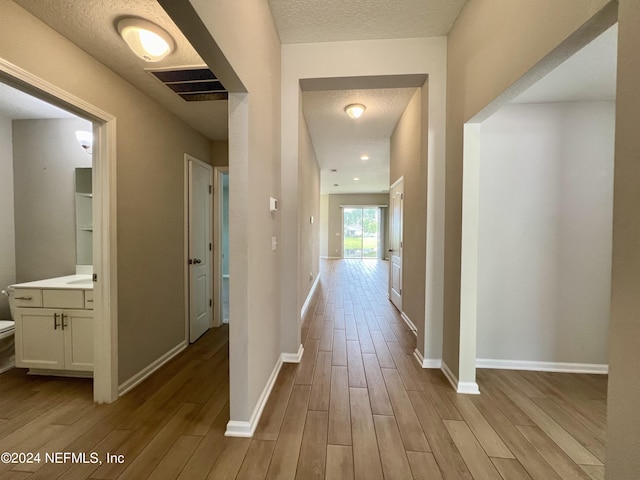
(78, 340)
(39, 338)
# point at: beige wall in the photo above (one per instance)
(309, 206)
(151, 143)
(45, 156)
(334, 218)
(7, 225)
(241, 46)
(409, 161)
(491, 45)
(324, 225)
(623, 421)
(220, 154)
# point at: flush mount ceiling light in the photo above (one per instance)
(356, 178)
(364, 157)
(355, 110)
(147, 40)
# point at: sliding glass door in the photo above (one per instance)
(360, 232)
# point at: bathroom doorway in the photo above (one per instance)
(96, 143)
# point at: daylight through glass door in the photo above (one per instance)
(361, 232)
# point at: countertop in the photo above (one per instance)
(72, 282)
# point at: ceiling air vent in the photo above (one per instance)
(194, 84)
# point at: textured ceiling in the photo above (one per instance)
(589, 75)
(307, 21)
(91, 24)
(17, 105)
(339, 141)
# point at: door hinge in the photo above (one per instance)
(210, 303)
(210, 189)
(210, 247)
(402, 196)
(400, 291)
(400, 244)
(95, 277)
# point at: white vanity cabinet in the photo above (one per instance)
(54, 330)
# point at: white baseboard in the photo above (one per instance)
(246, 429)
(561, 367)
(149, 369)
(409, 323)
(307, 302)
(469, 388)
(427, 362)
(331, 258)
(292, 357)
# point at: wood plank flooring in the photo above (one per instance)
(358, 406)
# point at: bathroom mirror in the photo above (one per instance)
(84, 216)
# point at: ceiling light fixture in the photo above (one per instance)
(364, 157)
(147, 40)
(355, 110)
(356, 178)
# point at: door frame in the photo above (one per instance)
(217, 243)
(105, 312)
(399, 181)
(187, 272)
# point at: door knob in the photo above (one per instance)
(197, 261)
(390, 250)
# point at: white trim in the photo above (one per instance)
(151, 368)
(409, 323)
(561, 367)
(237, 428)
(105, 336)
(218, 203)
(469, 388)
(400, 179)
(307, 302)
(330, 258)
(225, 275)
(292, 357)
(427, 362)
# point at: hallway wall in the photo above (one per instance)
(544, 253)
(309, 206)
(408, 159)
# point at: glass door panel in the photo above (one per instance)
(361, 232)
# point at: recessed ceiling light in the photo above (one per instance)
(355, 110)
(364, 157)
(336, 185)
(356, 178)
(333, 170)
(147, 40)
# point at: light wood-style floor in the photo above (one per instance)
(357, 407)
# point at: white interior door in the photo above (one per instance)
(200, 268)
(396, 199)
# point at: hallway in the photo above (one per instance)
(357, 407)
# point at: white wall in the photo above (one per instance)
(7, 225)
(46, 155)
(544, 257)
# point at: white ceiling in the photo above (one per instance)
(91, 24)
(588, 75)
(339, 141)
(17, 105)
(307, 21)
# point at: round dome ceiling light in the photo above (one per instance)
(355, 110)
(147, 40)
